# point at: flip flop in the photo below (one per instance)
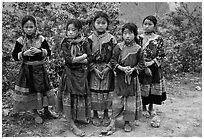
(127, 128)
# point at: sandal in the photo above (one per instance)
(127, 128)
(106, 121)
(78, 132)
(146, 114)
(96, 121)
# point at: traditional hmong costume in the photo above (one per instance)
(73, 95)
(32, 89)
(101, 46)
(127, 87)
(152, 87)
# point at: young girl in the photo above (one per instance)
(32, 89)
(151, 79)
(101, 79)
(127, 62)
(73, 90)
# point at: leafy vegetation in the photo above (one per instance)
(181, 30)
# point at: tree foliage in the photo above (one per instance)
(51, 21)
(182, 31)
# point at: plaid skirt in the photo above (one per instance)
(101, 101)
(32, 88)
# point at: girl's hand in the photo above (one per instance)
(104, 72)
(35, 50)
(148, 72)
(84, 56)
(129, 72)
(149, 63)
(124, 68)
(98, 73)
(28, 53)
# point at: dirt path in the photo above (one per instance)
(181, 116)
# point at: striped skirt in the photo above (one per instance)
(32, 88)
(130, 106)
(72, 105)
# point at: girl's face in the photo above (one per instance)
(72, 31)
(128, 36)
(29, 27)
(148, 26)
(101, 24)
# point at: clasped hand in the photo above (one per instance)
(128, 70)
(101, 74)
(32, 51)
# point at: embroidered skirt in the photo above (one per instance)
(130, 106)
(32, 89)
(153, 88)
(76, 106)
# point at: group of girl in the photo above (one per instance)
(99, 74)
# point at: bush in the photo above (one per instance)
(51, 22)
(182, 32)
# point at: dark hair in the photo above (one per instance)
(75, 22)
(101, 14)
(28, 18)
(151, 18)
(133, 28)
